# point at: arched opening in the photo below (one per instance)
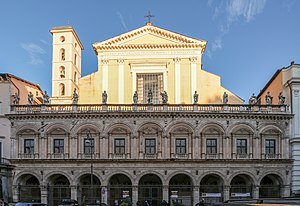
(59, 188)
(62, 54)
(89, 189)
(62, 72)
(270, 186)
(211, 188)
(150, 189)
(119, 188)
(75, 77)
(62, 89)
(1, 190)
(29, 189)
(181, 189)
(241, 187)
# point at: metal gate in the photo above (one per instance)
(86, 194)
(269, 191)
(211, 194)
(182, 193)
(153, 194)
(29, 193)
(57, 193)
(118, 193)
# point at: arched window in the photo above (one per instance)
(75, 77)
(62, 38)
(62, 71)
(75, 59)
(62, 54)
(62, 89)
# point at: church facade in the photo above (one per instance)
(150, 124)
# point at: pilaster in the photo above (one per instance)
(121, 82)
(177, 80)
(105, 75)
(193, 76)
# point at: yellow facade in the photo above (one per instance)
(173, 61)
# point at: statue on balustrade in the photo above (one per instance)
(225, 98)
(196, 96)
(269, 98)
(150, 97)
(135, 97)
(281, 99)
(75, 97)
(46, 98)
(104, 97)
(253, 99)
(30, 98)
(164, 97)
(16, 99)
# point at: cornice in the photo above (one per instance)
(150, 114)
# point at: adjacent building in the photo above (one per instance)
(13, 90)
(286, 82)
(149, 124)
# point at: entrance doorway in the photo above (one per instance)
(29, 189)
(59, 189)
(150, 189)
(211, 188)
(89, 192)
(241, 187)
(270, 186)
(181, 189)
(119, 188)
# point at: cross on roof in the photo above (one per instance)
(149, 16)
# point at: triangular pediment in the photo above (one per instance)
(149, 36)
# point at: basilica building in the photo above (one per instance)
(150, 124)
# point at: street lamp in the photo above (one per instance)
(90, 142)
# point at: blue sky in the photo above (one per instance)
(248, 40)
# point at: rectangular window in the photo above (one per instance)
(89, 145)
(241, 146)
(29, 146)
(211, 146)
(270, 146)
(150, 146)
(153, 82)
(180, 146)
(120, 146)
(58, 146)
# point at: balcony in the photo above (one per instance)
(242, 156)
(28, 156)
(150, 156)
(271, 156)
(88, 156)
(213, 156)
(57, 156)
(102, 108)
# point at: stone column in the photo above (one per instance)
(193, 76)
(177, 80)
(196, 195)
(121, 81)
(44, 194)
(73, 192)
(166, 192)
(226, 191)
(286, 191)
(255, 192)
(104, 194)
(105, 75)
(16, 193)
(135, 194)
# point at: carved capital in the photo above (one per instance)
(105, 61)
(120, 61)
(193, 59)
(177, 60)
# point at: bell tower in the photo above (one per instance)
(66, 64)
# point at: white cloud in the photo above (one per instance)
(246, 9)
(34, 51)
(122, 20)
(230, 12)
(217, 44)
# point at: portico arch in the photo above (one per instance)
(150, 189)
